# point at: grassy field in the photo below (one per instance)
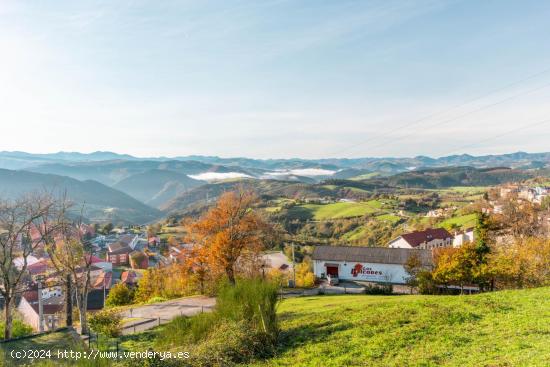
(337, 210)
(463, 221)
(510, 328)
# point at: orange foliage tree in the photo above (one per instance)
(230, 233)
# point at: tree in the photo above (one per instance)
(119, 295)
(107, 228)
(413, 266)
(70, 253)
(106, 322)
(19, 220)
(230, 231)
(304, 276)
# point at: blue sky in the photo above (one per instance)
(273, 79)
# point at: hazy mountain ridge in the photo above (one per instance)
(101, 203)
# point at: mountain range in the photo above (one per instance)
(121, 187)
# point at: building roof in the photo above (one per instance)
(126, 239)
(128, 277)
(119, 248)
(418, 237)
(379, 255)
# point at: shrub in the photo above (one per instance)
(106, 322)
(384, 289)
(254, 301)
(19, 328)
(119, 295)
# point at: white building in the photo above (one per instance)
(428, 239)
(463, 237)
(370, 264)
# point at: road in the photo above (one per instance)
(148, 316)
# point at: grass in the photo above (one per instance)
(463, 221)
(332, 211)
(54, 341)
(388, 218)
(509, 328)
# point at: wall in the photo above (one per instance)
(370, 272)
(29, 315)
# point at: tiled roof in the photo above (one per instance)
(380, 255)
(416, 238)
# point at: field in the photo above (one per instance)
(337, 210)
(464, 221)
(509, 328)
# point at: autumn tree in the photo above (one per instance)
(18, 239)
(230, 231)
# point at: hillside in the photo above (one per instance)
(155, 187)
(508, 328)
(102, 203)
(452, 176)
(266, 189)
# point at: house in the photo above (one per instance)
(153, 241)
(129, 240)
(428, 239)
(463, 237)
(371, 264)
(139, 260)
(100, 263)
(129, 277)
(277, 261)
(52, 309)
(118, 253)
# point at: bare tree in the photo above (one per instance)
(71, 253)
(19, 220)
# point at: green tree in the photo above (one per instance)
(119, 295)
(106, 322)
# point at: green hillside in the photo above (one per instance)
(102, 203)
(508, 328)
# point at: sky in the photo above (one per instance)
(275, 79)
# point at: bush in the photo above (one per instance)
(19, 329)
(242, 327)
(253, 301)
(106, 322)
(119, 295)
(385, 289)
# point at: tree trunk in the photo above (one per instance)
(230, 275)
(8, 317)
(82, 303)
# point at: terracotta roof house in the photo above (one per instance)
(428, 239)
(129, 277)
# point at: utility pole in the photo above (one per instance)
(68, 303)
(40, 306)
(104, 274)
(293, 266)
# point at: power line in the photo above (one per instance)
(542, 122)
(440, 112)
(465, 114)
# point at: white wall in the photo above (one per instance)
(371, 272)
(399, 242)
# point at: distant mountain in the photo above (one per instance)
(155, 187)
(101, 203)
(112, 172)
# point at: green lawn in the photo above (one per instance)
(510, 328)
(392, 218)
(463, 221)
(332, 211)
